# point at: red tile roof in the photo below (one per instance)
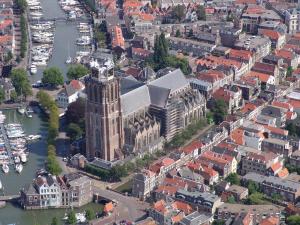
(196, 144)
(295, 103)
(169, 190)
(237, 136)
(240, 54)
(277, 130)
(108, 207)
(228, 146)
(211, 156)
(5, 23)
(76, 84)
(141, 52)
(283, 173)
(264, 68)
(117, 37)
(222, 93)
(213, 61)
(261, 76)
(284, 105)
(291, 115)
(160, 206)
(210, 76)
(276, 167)
(184, 207)
(285, 53)
(272, 34)
(4, 39)
(270, 221)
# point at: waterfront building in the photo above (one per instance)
(71, 190)
(70, 93)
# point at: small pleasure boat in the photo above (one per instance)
(19, 168)
(5, 168)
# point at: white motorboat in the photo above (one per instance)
(34, 3)
(40, 62)
(17, 159)
(19, 168)
(84, 40)
(21, 110)
(33, 69)
(5, 168)
(35, 7)
(37, 14)
(23, 157)
(41, 26)
(69, 60)
(42, 34)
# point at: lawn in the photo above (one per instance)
(126, 187)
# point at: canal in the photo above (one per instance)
(66, 34)
(65, 37)
(13, 182)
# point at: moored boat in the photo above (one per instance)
(5, 168)
(19, 168)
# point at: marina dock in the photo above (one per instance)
(7, 143)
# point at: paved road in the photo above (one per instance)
(128, 208)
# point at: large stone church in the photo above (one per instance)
(125, 116)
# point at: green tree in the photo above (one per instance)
(231, 200)
(21, 4)
(2, 95)
(209, 117)
(276, 197)
(218, 222)
(23, 27)
(161, 48)
(90, 214)
(233, 178)
(252, 187)
(289, 71)
(291, 127)
(52, 164)
(74, 131)
(178, 34)
(178, 12)
(71, 218)
(75, 112)
(8, 57)
(21, 82)
(54, 221)
(53, 76)
(293, 220)
(256, 199)
(13, 96)
(77, 71)
(220, 110)
(100, 38)
(200, 11)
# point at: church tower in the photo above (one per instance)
(104, 129)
